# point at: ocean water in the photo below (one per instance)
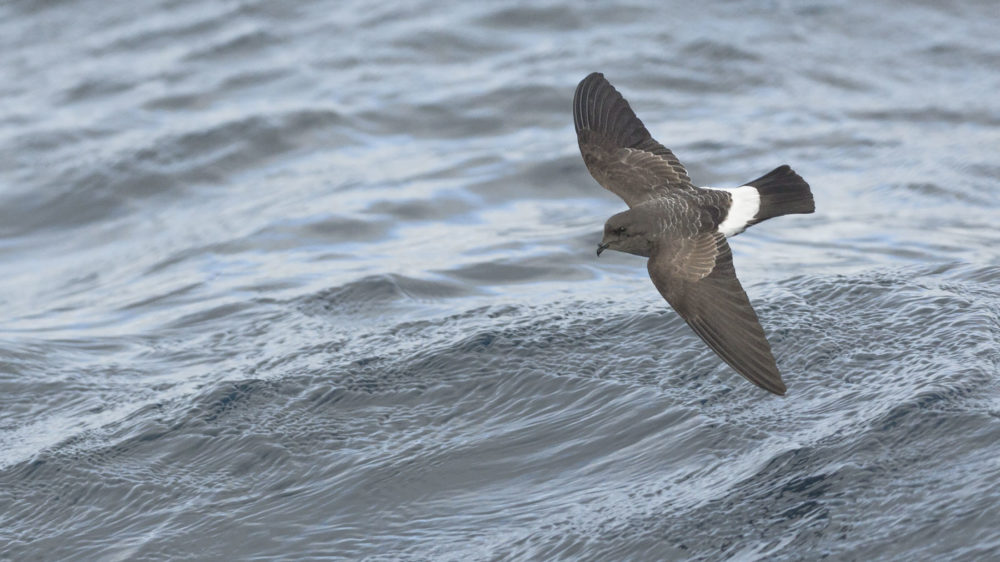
(317, 280)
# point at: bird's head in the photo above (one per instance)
(625, 232)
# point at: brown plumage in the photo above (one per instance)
(682, 228)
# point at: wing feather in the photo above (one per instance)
(696, 276)
(618, 149)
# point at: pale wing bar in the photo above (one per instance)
(716, 306)
(618, 149)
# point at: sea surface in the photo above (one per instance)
(317, 280)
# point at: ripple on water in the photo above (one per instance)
(319, 278)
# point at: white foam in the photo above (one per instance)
(746, 203)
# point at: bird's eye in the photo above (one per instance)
(620, 229)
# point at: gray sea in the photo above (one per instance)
(307, 280)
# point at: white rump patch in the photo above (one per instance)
(746, 203)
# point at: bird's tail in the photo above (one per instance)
(782, 192)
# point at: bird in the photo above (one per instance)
(683, 229)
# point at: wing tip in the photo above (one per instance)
(600, 107)
(593, 76)
(586, 94)
(756, 364)
(777, 387)
(764, 378)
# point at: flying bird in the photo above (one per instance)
(683, 229)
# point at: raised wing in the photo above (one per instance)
(618, 150)
(697, 278)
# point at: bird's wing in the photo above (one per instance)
(618, 150)
(697, 278)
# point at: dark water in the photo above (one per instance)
(318, 280)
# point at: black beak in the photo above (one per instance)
(601, 248)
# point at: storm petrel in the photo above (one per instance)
(682, 228)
